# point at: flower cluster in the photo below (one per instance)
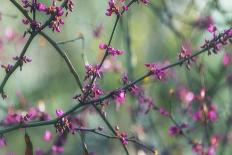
(198, 148)
(21, 116)
(218, 39)
(22, 60)
(57, 12)
(7, 67)
(176, 130)
(122, 136)
(119, 96)
(34, 25)
(156, 71)
(54, 11)
(113, 7)
(112, 51)
(62, 124)
(69, 6)
(227, 58)
(185, 53)
(92, 70)
(95, 91)
(47, 135)
(33, 5)
(138, 92)
(206, 113)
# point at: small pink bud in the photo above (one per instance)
(103, 46)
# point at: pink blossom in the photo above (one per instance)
(47, 136)
(2, 142)
(57, 149)
(41, 7)
(9, 34)
(59, 112)
(212, 113)
(185, 95)
(173, 130)
(212, 28)
(198, 148)
(103, 46)
(211, 151)
(155, 70)
(163, 111)
(120, 96)
(226, 59)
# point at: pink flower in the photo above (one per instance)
(211, 151)
(197, 116)
(212, 28)
(173, 130)
(120, 96)
(9, 34)
(155, 70)
(2, 142)
(185, 95)
(47, 136)
(59, 112)
(163, 112)
(212, 113)
(226, 59)
(41, 7)
(92, 70)
(198, 148)
(57, 149)
(103, 46)
(124, 138)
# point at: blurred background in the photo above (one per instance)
(148, 33)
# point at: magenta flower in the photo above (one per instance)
(198, 148)
(226, 59)
(47, 136)
(92, 70)
(112, 51)
(2, 142)
(7, 67)
(212, 113)
(57, 149)
(124, 138)
(103, 46)
(62, 124)
(212, 28)
(112, 8)
(163, 111)
(120, 97)
(185, 95)
(154, 69)
(175, 130)
(186, 52)
(94, 91)
(41, 7)
(10, 34)
(59, 112)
